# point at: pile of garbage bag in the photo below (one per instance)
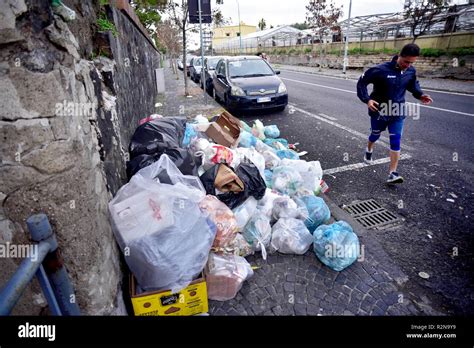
(204, 195)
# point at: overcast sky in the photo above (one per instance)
(278, 12)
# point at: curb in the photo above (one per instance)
(340, 214)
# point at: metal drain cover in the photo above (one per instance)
(370, 214)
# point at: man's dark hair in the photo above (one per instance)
(410, 50)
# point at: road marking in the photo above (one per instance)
(362, 165)
(345, 90)
(318, 85)
(328, 117)
(447, 110)
(354, 80)
(384, 141)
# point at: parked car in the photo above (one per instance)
(195, 69)
(248, 83)
(180, 63)
(188, 63)
(209, 71)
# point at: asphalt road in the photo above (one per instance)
(436, 236)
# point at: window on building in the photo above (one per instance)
(227, 34)
(238, 34)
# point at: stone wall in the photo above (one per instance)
(425, 66)
(66, 118)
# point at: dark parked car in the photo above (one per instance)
(248, 83)
(210, 70)
(195, 69)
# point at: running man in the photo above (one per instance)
(387, 102)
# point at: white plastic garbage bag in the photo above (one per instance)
(258, 233)
(164, 235)
(290, 236)
(244, 212)
(225, 275)
(265, 205)
(285, 207)
(286, 180)
(250, 154)
(311, 173)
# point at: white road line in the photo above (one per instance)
(355, 81)
(328, 117)
(383, 141)
(318, 85)
(447, 110)
(362, 165)
(345, 90)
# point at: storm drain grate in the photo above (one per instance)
(371, 214)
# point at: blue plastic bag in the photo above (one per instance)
(290, 154)
(268, 177)
(247, 139)
(272, 131)
(277, 144)
(189, 134)
(336, 245)
(318, 211)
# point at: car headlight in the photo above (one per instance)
(282, 88)
(237, 91)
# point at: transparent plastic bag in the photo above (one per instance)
(265, 205)
(336, 245)
(286, 180)
(165, 171)
(250, 154)
(290, 236)
(258, 233)
(222, 217)
(311, 172)
(247, 139)
(244, 212)
(162, 227)
(285, 207)
(286, 153)
(225, 275)
(318, 211)
(238, 246)
(258, 130)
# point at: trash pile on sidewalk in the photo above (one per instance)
(204, 195)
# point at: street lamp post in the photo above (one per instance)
(346, 60)
(240, 32)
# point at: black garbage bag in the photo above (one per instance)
(254, 185)
(153, 136)
(182, 158)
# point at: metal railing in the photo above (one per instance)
(48, 268)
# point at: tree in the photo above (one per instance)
(218, 19)
(300, 26)
(262, 24)
(149, 12)
(322, 17)
(422, 14)
(168, 36)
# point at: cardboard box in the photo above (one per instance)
(225, 131)
(191, 300)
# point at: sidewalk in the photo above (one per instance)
(448, 85)
(302, 285)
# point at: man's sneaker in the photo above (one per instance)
(368, 157)
(394, 178)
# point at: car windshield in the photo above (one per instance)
(249, 68)
(197, 62)
(212, 62)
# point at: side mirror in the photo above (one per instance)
(277, 72)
